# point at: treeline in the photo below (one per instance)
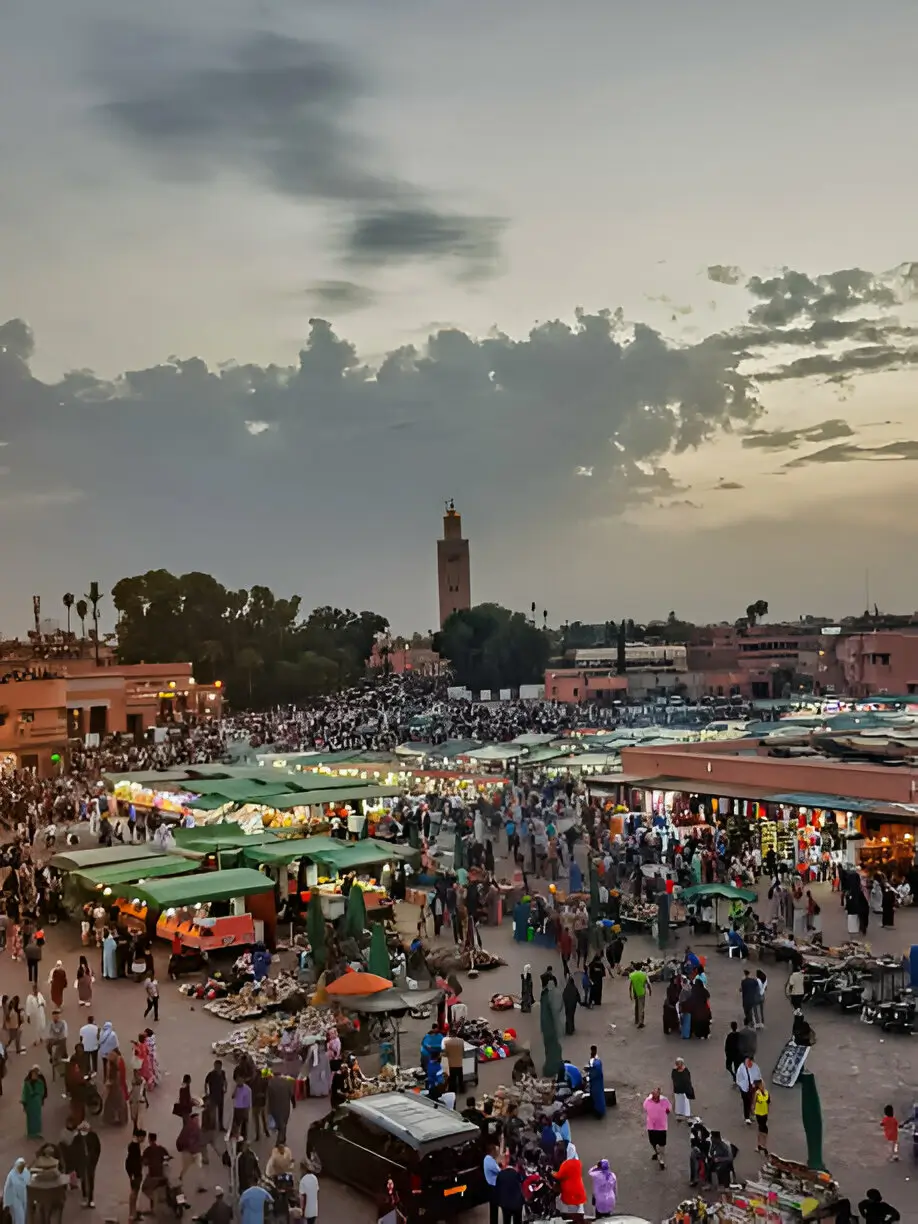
(259, 645)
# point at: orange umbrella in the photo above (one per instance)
(358, 984)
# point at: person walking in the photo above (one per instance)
(605, 1188)
(491, 1169)
(761, 1102)
(89, 1037)
(84, 983)
(509, 1193)
(12, 1022)
(747, 1075)
(759, 1010)
(749, 996)
(281, 1099)
(15, 1191)
(656, 1117)
(242, 1105)
(638, 990)
(309, 1194)
(151, 987)
(34, 1095)
(57, 984)
(215, 1090)
(85, 1151)
(683, 1089)
(566, 950)
(732, 1054)
(32, 959)
(36, 1013)
(133, 1167)
(138, 1102)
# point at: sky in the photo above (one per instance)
(636, 285)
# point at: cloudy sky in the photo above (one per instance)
(635, 284)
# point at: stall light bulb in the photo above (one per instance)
(106, 892)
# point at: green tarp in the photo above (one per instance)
(205, 886)
(73, 860)
(333, 790)
(222, 836)
(289, 850)
(355, 854)
(142, 869)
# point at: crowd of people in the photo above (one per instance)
(543, 829)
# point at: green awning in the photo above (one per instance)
(242, 790)
(223, 836)
(350, 855)
(287, 851)
(143, 869)
(73, 860)
(205, 886)
(341, 790)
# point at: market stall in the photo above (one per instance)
(207, 911)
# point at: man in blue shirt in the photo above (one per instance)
(252, 1205)
(491, 1170)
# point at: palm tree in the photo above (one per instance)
(82, 611)
(68, 604)
(212, 652)
(95, 597)
(250, 661)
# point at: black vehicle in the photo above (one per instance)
(434, 1156)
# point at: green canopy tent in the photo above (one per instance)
(551, 1033)
(315, 931)
(718, 893)
(378, 960)
(458, 852)
(355, 916)
(594, 895)
(74, 860)
(114, 874)
(175, 891)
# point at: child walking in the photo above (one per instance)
(890, 1124)
(760, 1103)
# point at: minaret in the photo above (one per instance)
(453, 572)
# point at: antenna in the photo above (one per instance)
(867, 588)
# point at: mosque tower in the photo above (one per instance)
(453, 571)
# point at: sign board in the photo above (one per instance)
(505, 694)
(458, 693)
(789, 1065)
(532, 692)
(485, 694)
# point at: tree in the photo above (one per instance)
(95, 598)
(755, 611)
(68, 604)
(82, 611)
(250, 661)
(490, 647)
(621, 654)
(254, 640)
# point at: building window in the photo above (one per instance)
(26, 716)
(576, 692)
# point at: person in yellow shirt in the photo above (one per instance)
(760, 1104)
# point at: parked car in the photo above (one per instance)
(433, 1155)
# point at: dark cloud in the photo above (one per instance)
(422, 233)
(850, 453)
(838, 367)
(793, 296)
(791, 439)
(684, 504)
(342, 295)
(727, 486)
(277, 110)
(725, 274)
